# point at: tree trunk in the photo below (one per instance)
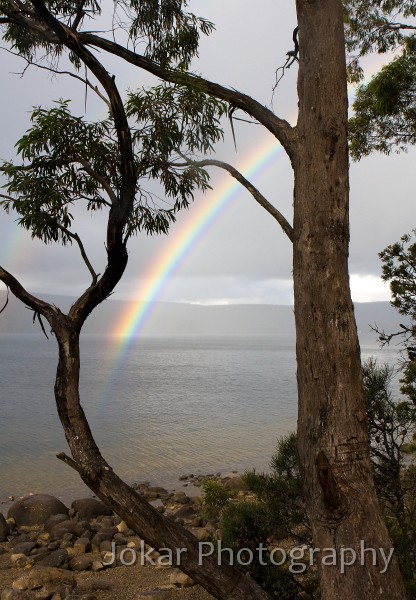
(333, 440)
(222, 581)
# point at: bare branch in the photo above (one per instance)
(49, 311)
(80, 15)
(85, 80)
(258, 196)
(69, 461)
(291, 57)
(107, 187)
(75, 237)
(36, 315)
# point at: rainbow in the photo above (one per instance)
(131, 323)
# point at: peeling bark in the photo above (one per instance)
(332, 435)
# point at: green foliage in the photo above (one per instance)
(276, 516)
(214, 497)
(28, 41)
(377, 26)
(391, 424)
(64, 158)
(170, 34)
(168, 120)
(385, 109)
(399, 269)
(246, 525)
(281, 492)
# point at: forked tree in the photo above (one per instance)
(332, 437)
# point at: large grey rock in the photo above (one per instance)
(90, 508)
(54, 520)
(4, 529)
(65, 527)
(57, 558)
(186, 511)
(181, 498)
(82, 562)
(24, 548)
(35, 510)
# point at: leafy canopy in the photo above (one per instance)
(399, 269)
(385, 108)
(167, 32)
(66, 160)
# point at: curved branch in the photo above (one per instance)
(49, 311)
(85, 258)
(120, 210)
(280, 128)
(107, 187)
(257, 195)
(31, 63)
(72, 40)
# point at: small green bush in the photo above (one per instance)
(214, 497)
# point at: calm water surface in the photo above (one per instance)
(164, 408)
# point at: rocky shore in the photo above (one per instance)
(85, 552)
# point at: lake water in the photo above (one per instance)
(168, 407)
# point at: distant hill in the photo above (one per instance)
(176, 320)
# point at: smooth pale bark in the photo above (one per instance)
(333, 440)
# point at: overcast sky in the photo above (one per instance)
(243, 257)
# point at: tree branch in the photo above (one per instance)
(86, 81)
(49, 311)
(79, 16)
(257, 195)
(76, 237)
(280, 128)
(107, 187)
(72, 40)
(69, 461)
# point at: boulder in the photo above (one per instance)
(57, 558)
(24, 548)
(35, 510)
(82, 546)
(54, 520)
(181, 498)
(64, 528)
(186, 511)
(90, 508)
(4, 529)
(82, 562)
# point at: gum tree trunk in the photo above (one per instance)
(333, 440)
